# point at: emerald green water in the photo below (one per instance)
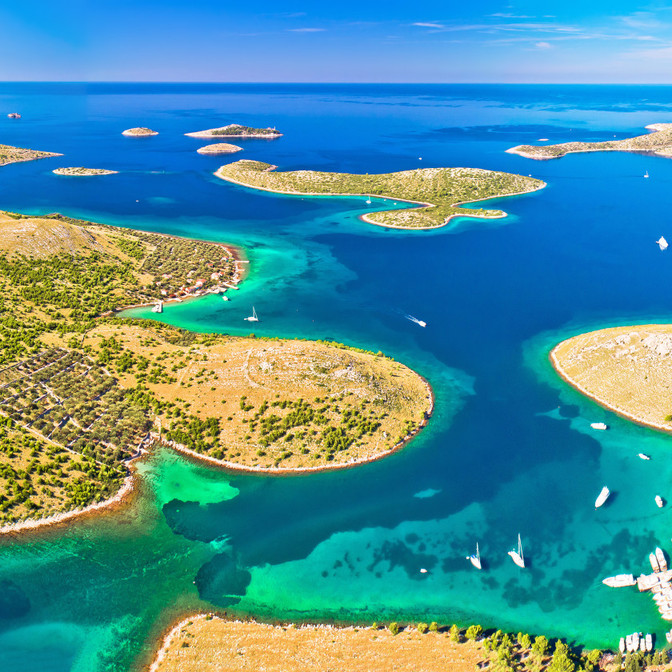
(509, 449)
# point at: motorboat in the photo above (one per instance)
(602, 497)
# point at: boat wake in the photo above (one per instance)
(422, 323)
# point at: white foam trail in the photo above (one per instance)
(422, 323)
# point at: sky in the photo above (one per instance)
(551, 41)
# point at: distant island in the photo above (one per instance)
(220, 148)
(237, 131)
(139, 132)
(10, 154)
(626, 369)
(659, 142)
(438, 190)
(83, 172)
(83, 391)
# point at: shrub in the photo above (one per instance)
(393, 628)
(422, 628)
(474, 632)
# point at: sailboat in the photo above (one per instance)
(368, 200)
(253, 317)
(475, 560)
(517, 556)
(646, 173)
(662, 243)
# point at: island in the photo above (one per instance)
(10, 154)
(237, 131)
(84, 391)
(659, 143)
(139, 132)
(219, 148)
(83, 172)
(625, 369)
(440, 191)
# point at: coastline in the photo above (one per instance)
(601, 402)
(208, 134)
(296, 471)
(365, 216)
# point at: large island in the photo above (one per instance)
(236, 131)
(438, 190)
(9, 154)
(626, 369)
(84, 391)
(659, 142)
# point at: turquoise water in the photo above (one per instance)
(509, 448)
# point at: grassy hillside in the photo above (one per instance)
(440, 188)
(9, 154)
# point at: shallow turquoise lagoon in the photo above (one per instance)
(509, 449)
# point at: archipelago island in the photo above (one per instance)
(220, 148)
(139, 132)
(10, 154)
(659, 143)
(439, 191)
(236, 131)
(79, 171)
(625, 369)
(84, 391)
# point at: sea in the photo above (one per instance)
(509, 449)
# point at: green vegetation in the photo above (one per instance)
(441, 188)
(10, 154)
(79, 171)
(237, 130)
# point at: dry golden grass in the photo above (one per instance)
(223, 646)
(213, 376)
(626, 369)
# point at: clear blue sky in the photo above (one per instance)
(336, 41)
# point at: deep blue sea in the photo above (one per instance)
(509, 449)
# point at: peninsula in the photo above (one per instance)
(139, 132)
(659, 143)
(10, 154)
(626, 369)
(237, 131)
(83, 172)
(438, 190)
(219, 148)
(82, 391)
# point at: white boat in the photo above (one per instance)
(368, 201)
(668, 637)
(660, 502)
(253, 317)
(654, 562)
(542, 140)
(14, 115)
(599, 425)
(225, 298)
(662, 560)
(602, 497)
(517, 556)
(643, 456)
(620, 581)
(646, 173)
(662, 243)
(158, 308)
(621, 645)
(423, 570)
(475, 560)
(635, 641)
(422, 323)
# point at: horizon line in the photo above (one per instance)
(327, 83)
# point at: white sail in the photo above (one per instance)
(602, 497)
(662, 243)
(517, 556)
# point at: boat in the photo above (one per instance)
(225, 298)
(659, 501)
(158, 308)
(253, 317)
(646, 173)
(602, 497)
(423, 570)
(668, 637)
(621, 645)
(662, 243)
(643, 456)
(662, 560)
(368, 201)
(654, 562)
(14, 115)
(619, 581)
(422, 323)
(635, 641)
(599, 425)
(475, 559)
(542, 140)
(649, 642)
(628, 643)
(517, 556)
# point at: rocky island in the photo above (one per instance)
(219, 148)
(438, 190)
(626, 369)
(236, 131)
(10, 154)
(139, 132)
(659, 142)
(83, 172)
(83, 391)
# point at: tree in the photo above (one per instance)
(525, 641)
(393, 628)
(433, 626)
(562, 661)
(540, 646)
(474, 632)
(422, 628)
(454, 633)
